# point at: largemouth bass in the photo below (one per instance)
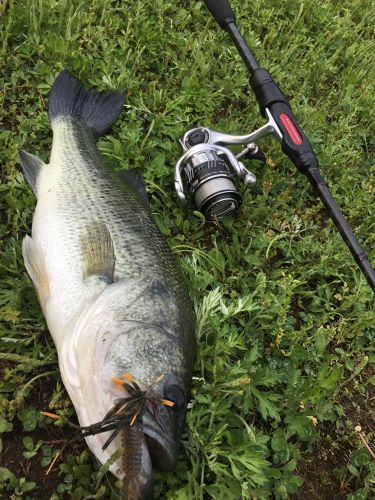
(111, 291)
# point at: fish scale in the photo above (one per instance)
(86, 189)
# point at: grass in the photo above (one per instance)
(285, 365)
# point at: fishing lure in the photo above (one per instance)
(125, 417)
(128, 410)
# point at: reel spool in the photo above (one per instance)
(210, 180)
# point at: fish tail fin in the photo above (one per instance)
(98, 110)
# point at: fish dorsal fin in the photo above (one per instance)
(98, 252)
(34, 262)
(135, 179)
(31, 167)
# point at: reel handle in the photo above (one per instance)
(221, 11)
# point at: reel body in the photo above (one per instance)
(208, 171)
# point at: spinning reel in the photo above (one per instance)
(207, 169)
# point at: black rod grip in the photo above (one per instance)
(221, 11)
(294, 143)
(347, 234)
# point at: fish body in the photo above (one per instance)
(111, 291)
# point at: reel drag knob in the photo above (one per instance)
(196, 136)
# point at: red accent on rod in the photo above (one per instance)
(291, 129)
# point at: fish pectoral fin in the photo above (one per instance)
(135, 179)
(35, 265)
(31, 167)
(97, 252)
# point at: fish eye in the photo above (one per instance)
(176, 394)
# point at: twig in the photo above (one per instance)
(358, 430)
(55, 441)
(53, 462)
(32, 380)
(58, 454)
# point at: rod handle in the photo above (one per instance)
(221, 11)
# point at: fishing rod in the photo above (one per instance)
(207, 169)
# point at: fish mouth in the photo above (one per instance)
(162, 447)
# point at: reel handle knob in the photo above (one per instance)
(248, 177)
(255, 154)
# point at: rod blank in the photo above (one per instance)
(343, 227)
